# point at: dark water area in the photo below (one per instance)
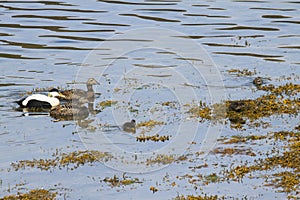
(154, 60)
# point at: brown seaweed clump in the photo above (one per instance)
(117, 182)
(108, 103)
(155, 138)
(240, 139)
(161, 159)
(233, 151)
(239, 111)
(150, 123)
(289, 89)
(243, 72)
(289, 160)
(32, 194)
(71, 160)
(191, 197)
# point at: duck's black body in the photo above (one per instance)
(40, 100)
(34, 104)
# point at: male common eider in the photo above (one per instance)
(129, 126)
(69, 111)
(75, 94)
(41, 101)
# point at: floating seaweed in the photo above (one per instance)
(191, 197)
(32, 194)
(288, 180)
(161, 159)
(150, 123)
(241, 111)
(117, 182)
(155, 138)
(233, 151)
(107, 103)
(243, 72)
(75, 158)
(153, 189)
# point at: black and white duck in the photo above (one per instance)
(75, 94)
(41, 101)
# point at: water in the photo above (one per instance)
(145, 53)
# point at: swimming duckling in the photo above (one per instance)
(69, 111)
(75, 94)
(129, 126)
(258, 81)
(41, 101)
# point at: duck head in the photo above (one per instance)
(92, 81)
(55, 93)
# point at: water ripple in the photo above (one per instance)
(151, 18)
(249, 28)
(15, 56)
(51, 17)
(136, 3)
(248, 54)
(42, 46)
(53, 9)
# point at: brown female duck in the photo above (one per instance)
(75, 94)
(70, 111)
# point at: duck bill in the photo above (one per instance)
(62, 96)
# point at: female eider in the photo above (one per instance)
(41, 101)
(75, 94)
(69, 111)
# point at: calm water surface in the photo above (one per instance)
(54, 43)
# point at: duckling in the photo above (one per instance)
(129, 126)
(236, 106)
(69, 111)
(75, 94)
(41, 101)
(258, 81)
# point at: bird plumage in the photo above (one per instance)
(41, 100)
(129, 126)
(74, 94)
(69, 111)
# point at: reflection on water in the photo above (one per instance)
(44, 43)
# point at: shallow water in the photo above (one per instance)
(144, 54)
